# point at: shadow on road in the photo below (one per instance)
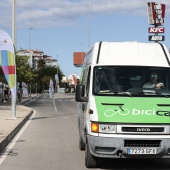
(134, 164)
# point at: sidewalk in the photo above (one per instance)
(9, 125)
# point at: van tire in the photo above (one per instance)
(81, 144)
(90, 160)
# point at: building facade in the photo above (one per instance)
(35, 55)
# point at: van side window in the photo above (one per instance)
(101, 80)
(85, 79)
(88, 82)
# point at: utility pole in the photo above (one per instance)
(29, 38)
(14, 43)
(57, 79)
(30, 52)
(89, 23)
(82, 54)
(57, 64)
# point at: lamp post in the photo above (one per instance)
(36, 87)
(89, 23)
(29, 37)
(14, 42)
(82, 54)
(29, 50)
(30, 89)
(13, 23)
(58, 77)
(57, 64)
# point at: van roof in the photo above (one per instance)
(132, 53)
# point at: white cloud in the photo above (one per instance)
(53, 13)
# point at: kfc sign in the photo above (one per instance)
(156, 13)
(156, 30)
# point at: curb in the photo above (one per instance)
(10, 136)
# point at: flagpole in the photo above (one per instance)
(14, 43)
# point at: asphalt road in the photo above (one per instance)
(49, 141)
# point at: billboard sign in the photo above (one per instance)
(156, 13)
(78, 58)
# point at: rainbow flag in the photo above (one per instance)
(7, 61)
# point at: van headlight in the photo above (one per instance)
(107, 128)
(102, 128)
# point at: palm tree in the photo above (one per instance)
(41, 64)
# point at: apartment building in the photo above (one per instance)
(35, 55)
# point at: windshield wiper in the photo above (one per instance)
(114, 92)
(162, 94)
(104, 91)
(125, 93)
(150, 92)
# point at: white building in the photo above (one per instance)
(35, 55)
(28, 54)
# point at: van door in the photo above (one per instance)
(83, 105)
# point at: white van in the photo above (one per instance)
(118, 116)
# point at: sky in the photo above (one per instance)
(62, 27)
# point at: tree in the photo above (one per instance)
(23, 70)
(40, 77)
(45, 81)
(45, 74)
(41, 64)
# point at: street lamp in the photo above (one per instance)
(29, 49)
(82, 53)
(29, 81)
(89, 23)
(36, 87)
(56, 89)
(29, 37)
(14, 42)
(57, 64)
(13, 23)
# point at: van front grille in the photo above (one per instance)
(143, 129)
(142, 143)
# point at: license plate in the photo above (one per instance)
(141, 151)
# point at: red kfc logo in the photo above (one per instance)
(156, 30)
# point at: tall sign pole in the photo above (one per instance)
(14, 43)
(13, 23)
(156, 15)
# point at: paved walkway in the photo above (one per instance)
(9, 125)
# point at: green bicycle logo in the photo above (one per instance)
(121, 111)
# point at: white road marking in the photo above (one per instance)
(54, 105)
(9, 147)
(30, 100)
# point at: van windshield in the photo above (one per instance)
(131, 81)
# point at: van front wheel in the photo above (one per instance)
(81, 143)
(90, 160)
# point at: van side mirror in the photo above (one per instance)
(80, 92)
